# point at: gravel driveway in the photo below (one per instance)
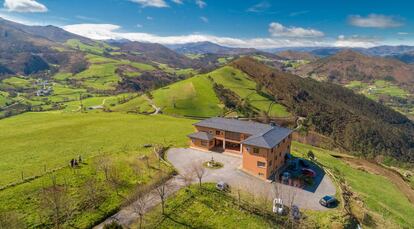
(182, 160)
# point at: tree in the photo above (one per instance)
(139, 204)
(187, 177)
(199, 171)
(56, 203)
(93, 193)
(104, 164)
(115, 179)
(311, 155)
(162, 191)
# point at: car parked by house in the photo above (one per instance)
(295, 213)
(328, 201)
(222, 186)
(278, 206)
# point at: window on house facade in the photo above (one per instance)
(204, 143)
(210, 131)
(256, 150)
(270, 163)
(218, 132)
(261, 164)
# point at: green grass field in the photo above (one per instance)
(206, 208)
(378, 193)
(17, 82)
(378, 88)
(32, 140)
(139, 104)
(97, 48)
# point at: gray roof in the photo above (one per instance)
(269, 139)
(202, 136)
(262, 135)
(234, 125)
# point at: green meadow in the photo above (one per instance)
(378, 88)
(31, 141)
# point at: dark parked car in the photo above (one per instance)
(222, 186)
(309, 172)
(328, 201)
(295, 212)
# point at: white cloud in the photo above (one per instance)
(151, 3)
(109, 31)
(149, 18)
(259, 7)
(204, 19)
(374, 21)
(356, 41)
(139, 26)
(178, 1)
(279, 30)
(24, 6)
(201, 4)
(402, 33)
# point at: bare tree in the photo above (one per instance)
(93, 193)
(162, 191)
(115, 179)
(104, 164)
(199, 171)
(55, 203)
(139, 204)
(137, 169)
(187, 177)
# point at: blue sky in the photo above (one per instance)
(244, 23)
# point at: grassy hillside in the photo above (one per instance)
(196, 97)
(31, 141)
(381, 197)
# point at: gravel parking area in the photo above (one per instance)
(182, 159)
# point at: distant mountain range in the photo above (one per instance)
(209, 48)
(348, 65)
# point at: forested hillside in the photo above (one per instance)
(359, 124)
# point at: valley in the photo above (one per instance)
(116, 107)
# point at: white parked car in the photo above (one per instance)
(278, 207)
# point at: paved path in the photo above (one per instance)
(182, 159)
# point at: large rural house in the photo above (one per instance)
(262, 146)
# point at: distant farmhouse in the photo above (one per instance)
(263, 147)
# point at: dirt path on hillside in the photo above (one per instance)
(393, 176)
(151, 102)
(127, 216)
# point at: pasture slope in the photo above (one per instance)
(30, 141)
(196, 97)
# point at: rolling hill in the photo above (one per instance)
(357, 123)
(198, 96)
(349, 65)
